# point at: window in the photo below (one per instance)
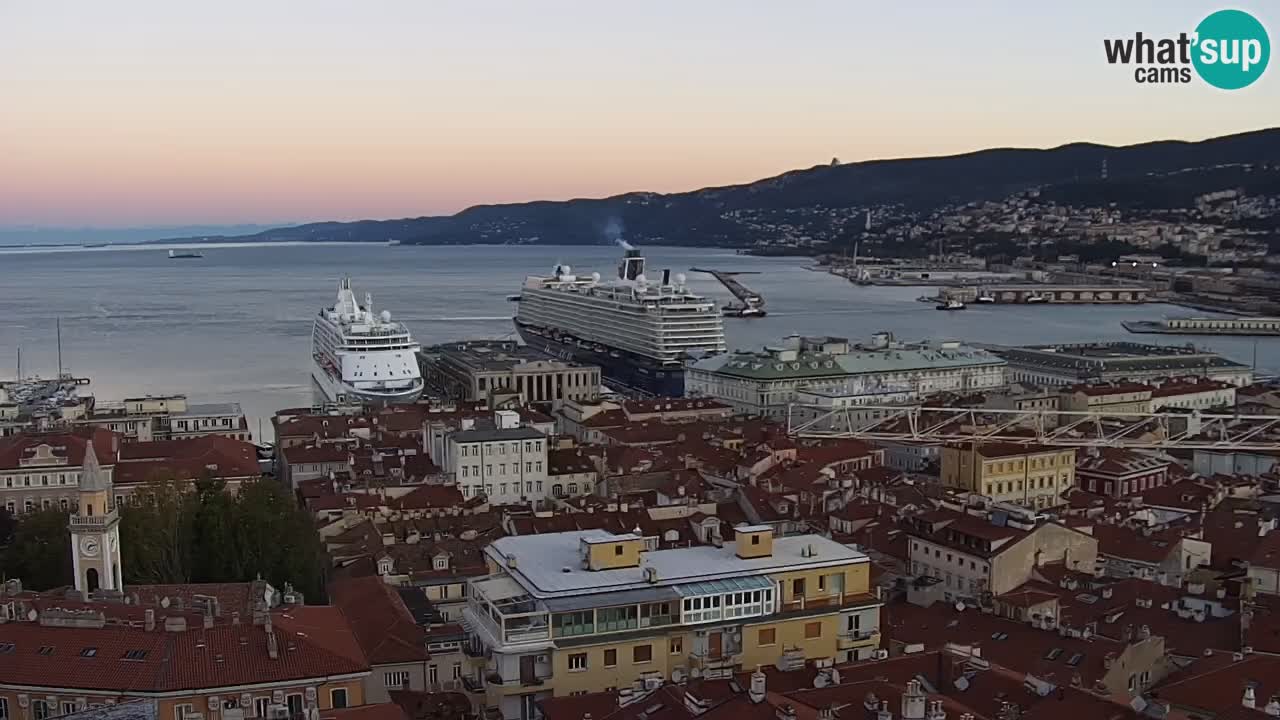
(433, 675)
(294, 702)
(677, 646)
(617, 549)
(812, 630)
(181, 711)
(4, 708)
(577, 662)
(68, 707)
(755, 539)
(573, 623)
(616, 619)
(40, 710)
(642, 653)
(396, 680)
(338, 698)
(457, 671)
(610, 657)
(768, 636)
(260, 706)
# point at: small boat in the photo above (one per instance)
(986, 297)
(392, 243)
(184, 254)
(1035, 298)
(951, 305)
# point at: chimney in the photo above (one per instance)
(235, 618)
(208, 621)
(150, 619)
(913, 701)
(786, 712)
(827, 713)
(1250, 700)
(273, 645)
(757, 691)
(1273, 707)
(936, 712)
(884, 713)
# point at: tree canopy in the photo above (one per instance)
(173, 532)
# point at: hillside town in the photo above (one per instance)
(782, 542)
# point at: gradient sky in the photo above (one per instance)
(142, 112)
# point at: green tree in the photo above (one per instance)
(155, 536)
(40, 552)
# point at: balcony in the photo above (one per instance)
(852, 638)
(95, 520)
(500, 608)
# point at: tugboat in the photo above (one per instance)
(1036, 298)
(986, 297)
(184, 254)
(951, 305)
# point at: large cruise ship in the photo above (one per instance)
(639, 331)
(362, 357)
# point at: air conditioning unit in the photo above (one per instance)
(881, 655)
(542, 659)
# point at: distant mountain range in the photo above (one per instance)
(51, 236)
(741, 215)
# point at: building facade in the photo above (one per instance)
(767, 382)
(42, 470)
(472, 370)
(1117, 362)
(1027, 475)
(506, 463)
(579, 612)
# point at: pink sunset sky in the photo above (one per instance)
(143, 112)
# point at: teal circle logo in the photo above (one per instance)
(1232, 49)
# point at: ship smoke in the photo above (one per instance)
(613, 231)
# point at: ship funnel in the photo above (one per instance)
(632, 266)
(666, 277)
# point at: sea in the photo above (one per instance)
(235, 325)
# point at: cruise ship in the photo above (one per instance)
(363, 357)
(639, 331)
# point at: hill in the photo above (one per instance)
(817, 202)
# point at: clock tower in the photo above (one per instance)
(95, 530)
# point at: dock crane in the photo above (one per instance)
(749, 302)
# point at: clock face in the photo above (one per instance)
(89, 546)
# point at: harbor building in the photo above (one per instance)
(1027, 475)
(580, 612)
(470, 371)
(767, 382)
(43, 470)
(501, 459)
(1118, 361)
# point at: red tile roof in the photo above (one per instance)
(187, 459)
(383, 626)
(69, 444)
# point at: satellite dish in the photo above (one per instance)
(386, 316)
(959, 607)
(680, 278)
(641, 278)
(821, 680)
(595, 276)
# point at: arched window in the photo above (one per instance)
(91, 579)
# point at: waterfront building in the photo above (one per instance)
(473, 370)
(1116, 362)
(501, 460)
(580, 612)
(1113, 399)
(1027, 475)
(767, 382)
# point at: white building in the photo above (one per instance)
(506, 463)
(767, 382)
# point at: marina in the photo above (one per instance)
(1246, 326)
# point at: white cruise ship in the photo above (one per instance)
(639, 331)
(360, 356)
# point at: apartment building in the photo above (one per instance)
(505, 462)
(1029, 475)
(1116, 399)
(1120, 472)
(42, 470)
(580, 612)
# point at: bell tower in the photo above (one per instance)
(95, 530)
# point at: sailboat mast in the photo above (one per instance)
(59, 321)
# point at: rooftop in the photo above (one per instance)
(492, 434)
(495, 355)
(551, 565)
(858, 361)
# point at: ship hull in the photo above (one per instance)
(627, 372)
(329, 389)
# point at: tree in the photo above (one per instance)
(155, 544)
(40, 552)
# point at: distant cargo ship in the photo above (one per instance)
(640, 332)
(184, 254)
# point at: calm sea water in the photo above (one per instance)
(236, 324)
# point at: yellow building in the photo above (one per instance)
(578, 612)
(1034, 476)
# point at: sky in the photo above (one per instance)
(151, 112)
